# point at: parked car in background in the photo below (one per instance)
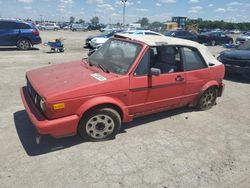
(49, 26)
(67, 27)
(79, 27)
(242, 38)
(128, 77)
(214, 38)
(18, 33)
(237, 60)
(142, 32)
(182, 34)
(96, 42)
(106, 34)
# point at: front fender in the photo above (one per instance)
(91, 103)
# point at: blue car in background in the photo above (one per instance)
(18, 33)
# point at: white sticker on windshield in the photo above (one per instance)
(98, 77)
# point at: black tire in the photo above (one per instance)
(213, 43)
(208, 99)
(23, 44)
(99, 124)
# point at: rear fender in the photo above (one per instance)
(209, 84)
(91, 103)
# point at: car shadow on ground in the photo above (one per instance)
(237, 78)
(27, 133)
(16, 49)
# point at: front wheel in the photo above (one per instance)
(208, 99)
(100, 124)
(23, 44)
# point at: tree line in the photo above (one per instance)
(208, 24)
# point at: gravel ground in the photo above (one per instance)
(179, 148)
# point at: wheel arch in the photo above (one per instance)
(205, 87)
(101, 102)
(22, 37)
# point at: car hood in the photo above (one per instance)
(71, 80)
(237, 54)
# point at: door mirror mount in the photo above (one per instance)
(154, 72)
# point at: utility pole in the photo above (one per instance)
(124, 3)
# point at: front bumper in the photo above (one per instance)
(61, 127)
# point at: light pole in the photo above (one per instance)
(124, 3)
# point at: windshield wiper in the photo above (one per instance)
(103, 68)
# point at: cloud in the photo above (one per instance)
(25, 1)
(210, 5)
(104, 8)
(194, 1)
(138, 2)
(27, 8)
(95, 1)
(235, 3)
(168, 1)
(67, 1)
(195, 9)
(142, 10)
(158, 4)
(220, 10)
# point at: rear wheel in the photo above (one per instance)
(208, 99)
(23, 44)
(100, 124)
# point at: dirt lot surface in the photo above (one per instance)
(180, 148)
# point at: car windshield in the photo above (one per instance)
(105, 33)
(115, 56)
(245, 46)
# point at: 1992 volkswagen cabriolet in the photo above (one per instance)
(129, 76)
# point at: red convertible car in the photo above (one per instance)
(129, 76)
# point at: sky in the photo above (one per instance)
(111, 11)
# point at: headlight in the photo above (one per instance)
(42, 105)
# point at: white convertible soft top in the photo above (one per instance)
(153, 40)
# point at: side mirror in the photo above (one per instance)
(154, 72)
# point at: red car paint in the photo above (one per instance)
(74, 84)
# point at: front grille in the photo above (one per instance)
(36, 98)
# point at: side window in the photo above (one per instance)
(192, 59)
(23, 26)
(8, 25)
(143, 67)
(167, 59)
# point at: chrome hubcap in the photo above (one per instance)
(208, 99)
(100, 126)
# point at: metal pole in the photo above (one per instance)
(124, 3)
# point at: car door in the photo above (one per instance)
(197, 73)
(8, 33)
(153, 93)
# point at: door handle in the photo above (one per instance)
(179, 78)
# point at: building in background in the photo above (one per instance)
(181, 21)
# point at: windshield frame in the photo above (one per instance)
(133, 63)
